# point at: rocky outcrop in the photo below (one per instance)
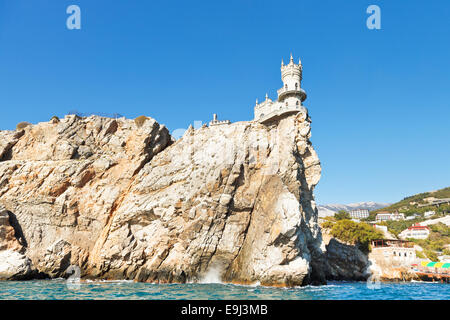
(64, 179)
(13, 262)
(125, 202)
(7, 140)
(384, 267)
(346, 262)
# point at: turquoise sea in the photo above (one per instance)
(126, 290)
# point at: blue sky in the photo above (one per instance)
(378, 99)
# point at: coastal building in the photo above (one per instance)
(383, 216)
(387, 216)
(429, 214)
(215, 122)
(398, 216)
(383, 229)
(413, 216)
(393, 252)
(415, 232)
(445, 220)
(359, 214)
(290, 96)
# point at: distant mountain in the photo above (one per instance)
(331, 209)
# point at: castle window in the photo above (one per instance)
(297, 103)
(286, 104)
(285, 86)
(296, 86)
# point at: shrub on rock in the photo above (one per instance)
(140, 121)
(54, 119)
(22, 125)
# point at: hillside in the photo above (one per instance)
(420, 203)
(438, 241)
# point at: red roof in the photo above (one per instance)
(418, 227)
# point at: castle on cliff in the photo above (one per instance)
(290, 96)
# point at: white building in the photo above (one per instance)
(393, 253)
(383, 229)
(387, 216)
(429, 214)
(359, 214)
(290, 96)
(412, 217)
(398, 216)
(415, 232)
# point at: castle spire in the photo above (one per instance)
(267, 96)
(292, 59)
(282, 63)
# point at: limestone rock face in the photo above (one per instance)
(125, 202)
(8, 239)
(7, 140)
(64, 179)
(14, 265)
(346, 262)
(13, 262)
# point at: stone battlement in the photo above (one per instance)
(215, 122)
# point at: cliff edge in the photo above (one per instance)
(123, 200)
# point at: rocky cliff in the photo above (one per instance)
(344, 261)
(123, 200)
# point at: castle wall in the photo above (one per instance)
(265, 108)
(291, 75)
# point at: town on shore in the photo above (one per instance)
(409, 240)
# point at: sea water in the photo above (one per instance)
(127, 290)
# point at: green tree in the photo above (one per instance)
(342, 215)
(360, 234)
(420, 255)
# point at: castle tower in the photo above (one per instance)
(291, 75)
(290, 96)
